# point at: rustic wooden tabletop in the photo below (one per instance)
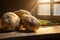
(40, 31)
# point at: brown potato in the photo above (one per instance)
(9, 21)
(22, 12)
(28, 21)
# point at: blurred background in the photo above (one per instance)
(42, 9)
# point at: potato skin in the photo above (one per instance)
(9, 21)
(29, 22)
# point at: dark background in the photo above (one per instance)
(13, 5)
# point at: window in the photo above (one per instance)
(44, 0)
(56, 0)
(44, 9)
(57, 9)
(49, 7)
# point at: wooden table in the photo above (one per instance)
(42, 32)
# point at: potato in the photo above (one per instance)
(10, 21)
(28, 21)
(22, 12)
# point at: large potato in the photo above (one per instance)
(10, 21)
(28, 21)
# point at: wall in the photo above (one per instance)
(13, 5)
